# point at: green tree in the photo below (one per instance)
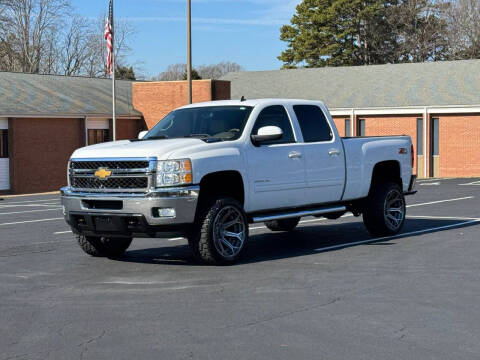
(338, 32)
(124, 73)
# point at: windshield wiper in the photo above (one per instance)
(203, 136)
(156, 137)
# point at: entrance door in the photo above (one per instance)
(4, 161)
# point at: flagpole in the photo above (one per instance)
(114, 120)
(189, 49)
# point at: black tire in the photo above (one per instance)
(378, 214)
(205, 240)
(103, 246)
(283, 224)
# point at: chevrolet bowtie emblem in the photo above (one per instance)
(102, 174)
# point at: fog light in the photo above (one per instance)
(166, 212)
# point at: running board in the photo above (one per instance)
(279, 216)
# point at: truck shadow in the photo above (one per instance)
(304, 240)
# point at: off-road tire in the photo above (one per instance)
(283, 224)
(103, 246)
(201, 238)
(375, 210)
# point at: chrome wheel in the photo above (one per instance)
(394, 209)
(229, 232)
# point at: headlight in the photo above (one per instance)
(174, 172)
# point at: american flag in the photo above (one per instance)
(109, 38)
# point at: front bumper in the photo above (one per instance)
(130, 214)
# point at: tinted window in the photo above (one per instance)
(3, 143)
(96, 136)
(435, 137)
(361, 127)
(209, 122)
(313, 123)
(419, 136)
(347, 127)
(275, 116)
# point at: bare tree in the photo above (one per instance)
(463, 20)
(213, 71)
(32, 23)
(75, 52)
(216, 71)
(173, 72)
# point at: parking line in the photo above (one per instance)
(441, 217)
(441, 201)
(339, 246)
(28, 211)
(31, 221)
(29, 205)
(30, 201)
(62, 232)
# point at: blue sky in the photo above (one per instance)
(246, 32)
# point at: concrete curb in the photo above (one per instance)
(22, 195)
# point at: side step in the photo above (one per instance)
(300, 213)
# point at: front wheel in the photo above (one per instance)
(220, 233)
(384, 212)
(103, 246)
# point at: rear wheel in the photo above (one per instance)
(220, 233)
(283, 224)
(384, 212)
(103, 246)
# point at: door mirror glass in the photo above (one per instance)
(267, 133)
(141, 134)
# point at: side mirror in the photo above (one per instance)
(266, 133)
(141, 134)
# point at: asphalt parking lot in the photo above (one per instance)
(325, 291)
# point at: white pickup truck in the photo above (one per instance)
(208, 170)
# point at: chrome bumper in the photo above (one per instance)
(142, 205)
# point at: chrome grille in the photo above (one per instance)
(112, 183)
(109, 164)
(127, 175)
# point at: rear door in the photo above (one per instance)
(276, 169)
(324, 155)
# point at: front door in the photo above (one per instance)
(276, 169)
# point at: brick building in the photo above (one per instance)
(44, 118)
(436, 103)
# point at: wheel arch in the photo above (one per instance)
(223, 183)
(386, 171)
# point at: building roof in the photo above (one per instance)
(51, 95)
(444, 83)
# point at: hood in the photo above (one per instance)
(147, 148)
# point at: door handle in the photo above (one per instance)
(333, 152)
(294, 155)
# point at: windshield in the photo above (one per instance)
(211, 123)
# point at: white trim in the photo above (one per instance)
(101, 124)
(3, 123)
(406, 110)
(68, 116)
